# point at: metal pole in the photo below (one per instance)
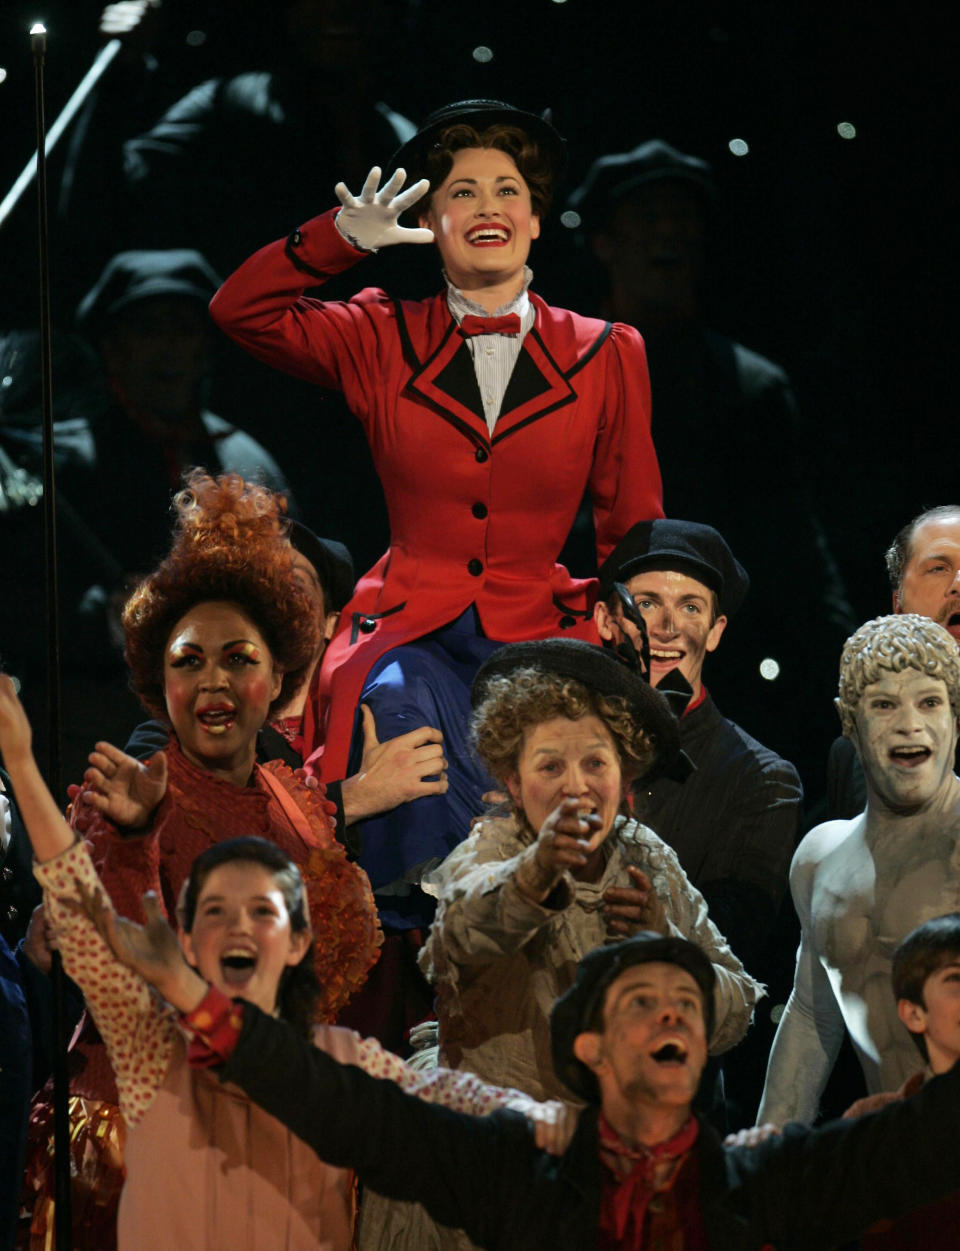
(61, 1085)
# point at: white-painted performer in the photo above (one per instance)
(861, 886)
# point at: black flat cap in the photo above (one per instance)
(574, 1010)
(141, 275)
(601, 672)
(614, 176)
(332, 561)
(479, 114)
(686, 546)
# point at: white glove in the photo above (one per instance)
(370, 223)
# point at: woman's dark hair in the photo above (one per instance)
(534, 166)
(299, 990)
(229, 545)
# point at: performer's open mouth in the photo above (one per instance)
(910, 757)
(217, 718)
(666, 656)
(237, 965)
(488, 236)
(672, 1053)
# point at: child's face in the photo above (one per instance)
(241, 939)
(939, 1020)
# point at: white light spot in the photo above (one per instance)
(769, 669)
(195, 38)
(846, 130)
(483, 54)
(38, 28)
(739, 147)
(3, 74)
(570, 219)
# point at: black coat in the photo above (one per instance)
(734, 824)
(807, 1188)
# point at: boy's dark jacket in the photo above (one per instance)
(806, 1188)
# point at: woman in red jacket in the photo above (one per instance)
(488, 414)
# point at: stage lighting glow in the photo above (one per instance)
(570, 219)
(483, 54)
(3, 74)
(195, 38)
(739, 147)
(769, 669)
(846, 130)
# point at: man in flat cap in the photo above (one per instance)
(641, 1171)
(728, 437)
(735, 821)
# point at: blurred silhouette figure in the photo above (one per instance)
(729, 441)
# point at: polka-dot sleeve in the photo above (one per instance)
(136, 1028)
(464, 1092)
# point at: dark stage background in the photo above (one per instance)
(828, 255)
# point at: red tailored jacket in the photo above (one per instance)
(474, 519)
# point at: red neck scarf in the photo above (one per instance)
(633, 1176)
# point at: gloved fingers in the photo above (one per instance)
(368, 192)
(346, 198)
(412, 193)
(392, 186)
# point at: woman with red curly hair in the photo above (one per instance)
(207, 1169)
(218, 638)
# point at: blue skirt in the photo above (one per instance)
(426, 682)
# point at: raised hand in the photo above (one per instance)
(125, 790)
(628, 909)
(152, 950)
(394, 772)
(566, 840)
(371, 221)
(16, 736)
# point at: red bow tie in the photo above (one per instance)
(509, 323)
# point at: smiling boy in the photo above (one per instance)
(861, 885)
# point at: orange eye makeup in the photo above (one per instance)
(245, 648)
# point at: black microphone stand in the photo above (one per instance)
(61, 1091)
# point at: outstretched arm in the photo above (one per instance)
(476, 1173)
(335, 344)
(137, 1037)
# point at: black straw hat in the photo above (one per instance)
(574, 1011)
(480, 114)
(600, 672)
